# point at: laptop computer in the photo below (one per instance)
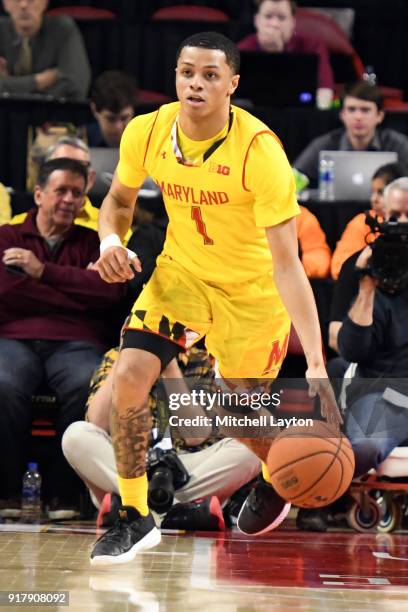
(278, 79)
(104, 161)
(353, 171)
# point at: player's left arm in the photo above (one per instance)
(297, 296)
(268, 175)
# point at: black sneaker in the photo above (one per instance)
(131, 533)
(205, 515)
(312, 519)
(233, 507)
(263, 510)
(108, 510)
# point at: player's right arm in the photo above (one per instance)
(115, 219)
(116, 214)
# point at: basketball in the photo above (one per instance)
(311, 466)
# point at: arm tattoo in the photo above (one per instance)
(130, 437)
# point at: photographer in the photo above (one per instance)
(203, 468)
(370, 304)
(374, 335)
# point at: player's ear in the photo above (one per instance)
(234, 84)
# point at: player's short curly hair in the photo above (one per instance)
(292, 3)
(214, 40)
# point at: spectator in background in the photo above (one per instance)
(275, 23)
(372, 334)
(353, 238)
(315, 253)
(361, 113)
(72, 147)
(75, 148)
(40, 53)
(347, 283)
(55, 312)
(113, 98)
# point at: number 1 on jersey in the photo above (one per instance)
(197, 217)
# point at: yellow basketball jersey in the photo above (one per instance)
(218, 211)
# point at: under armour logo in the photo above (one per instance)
(163, 154)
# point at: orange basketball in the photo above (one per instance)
(311, 466)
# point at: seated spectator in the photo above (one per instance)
(361, 115)
(217, 468)
(314, 251)
(346, 286)
(41, 54)
(54, 319)
(275, 23)
(113, 97)
(373, 334)
(5, 206)
(353, 238)
(74, 148)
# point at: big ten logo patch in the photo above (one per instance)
(219, 169)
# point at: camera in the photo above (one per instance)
(165, 473)
(389, 259)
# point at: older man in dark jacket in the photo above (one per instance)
(54, 311)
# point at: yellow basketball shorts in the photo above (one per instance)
(246, 326)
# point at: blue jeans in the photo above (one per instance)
(374, 427)
(65, 368)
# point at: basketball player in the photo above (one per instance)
(230, 196)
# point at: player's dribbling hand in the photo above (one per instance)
(114, 265)
(320, 385)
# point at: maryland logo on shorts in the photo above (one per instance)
(142, 319)
(277, 355)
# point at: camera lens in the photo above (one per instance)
(161, 490)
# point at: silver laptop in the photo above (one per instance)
(104, 161)
(353, 171)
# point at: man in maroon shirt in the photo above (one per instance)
(53, 321)
(275, 24)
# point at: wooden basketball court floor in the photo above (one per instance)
(283, 571)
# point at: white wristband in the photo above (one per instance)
(109, 241)
(114, 240)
